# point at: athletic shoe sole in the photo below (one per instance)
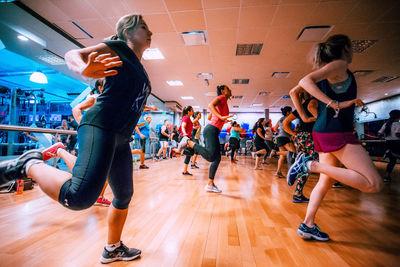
(105, 261)
(305, 235)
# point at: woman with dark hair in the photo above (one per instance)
(391, 131)
(104, 133)
(186, 130)
(259, 141)
(234, 140)
(211, 152)
(336, 90)
(283, 141)
(303, 136)
(196, 136)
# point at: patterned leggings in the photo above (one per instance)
(304, 143)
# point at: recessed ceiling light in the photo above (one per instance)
(211, 94)
(280, 74)
(257, 105)
(175, 83)
(195, 106)
(386, 93)
(314, 33)
(194, 38)
(23, 38)
(187, 97)
(152, 54)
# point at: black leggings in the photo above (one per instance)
(211, 152)
(234, 144)
(394, 147)
(101, 154)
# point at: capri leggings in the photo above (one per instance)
(234, 144)
(304, 143)
(212, 151)
(101, 154)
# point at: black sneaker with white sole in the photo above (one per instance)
(15, 168)
(314, 232)
(121, 253)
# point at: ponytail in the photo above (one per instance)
(186, 110)
(332, 49)
(257, 125)
(286, 110)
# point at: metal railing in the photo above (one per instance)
(17, 128)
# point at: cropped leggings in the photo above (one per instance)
(212, 151)
(102, 154)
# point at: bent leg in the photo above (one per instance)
(361, 172)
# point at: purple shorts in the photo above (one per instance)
(328, 142)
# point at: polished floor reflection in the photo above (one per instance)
(176, 223)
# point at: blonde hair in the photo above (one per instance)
(127, 22)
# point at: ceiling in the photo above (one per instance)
(275, 23)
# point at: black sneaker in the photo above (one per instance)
(156, 157)
(194, 166)
(316, 233)
(15, 168)
(187, 173)
(387, 179)
(338, 185)
(121, 253)
(188, 151)
(142, 166)
(300, 199)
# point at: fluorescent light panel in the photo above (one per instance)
(175, 83)
(22, 38)
(211, 94)
(195, 106)
(152, 54)
(257, 105)
(187, 97)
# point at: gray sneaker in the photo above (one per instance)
(15, 168)
(183, 143)
(121, 253)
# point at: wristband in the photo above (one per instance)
(330, 102)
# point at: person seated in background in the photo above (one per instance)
(391, 131)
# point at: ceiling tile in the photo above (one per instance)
(222, 37)
(179, 5)
(103, 8)
(254, 17)
(189, 21)
(166, 39)
(329, 13)
(96, 27)
(219, 19)
(259, 2)
(144, 7)
(47, 9)
(159, 23)
(212, 4)
(85, 11)
(368, 10)
(293, 15)
(252, 35)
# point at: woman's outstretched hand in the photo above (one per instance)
(97, 65)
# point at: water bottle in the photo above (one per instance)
(20, 187)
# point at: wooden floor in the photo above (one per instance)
(176, 223)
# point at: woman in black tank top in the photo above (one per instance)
(335, 88)
(104, 132)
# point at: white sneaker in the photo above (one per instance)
(212, 188)
(183, 143)
(258, 168)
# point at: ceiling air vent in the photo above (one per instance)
(264, 93)
(385, 79)
(280, 74)
(248, 49)
(235, 106)
(237, 97)
(314, 33)
(194, 38)
(361, 73)
(240, 81)
(360, 46)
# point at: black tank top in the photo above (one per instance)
(119, 107)
(305, 126)
(163, 137)
(325, 122)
